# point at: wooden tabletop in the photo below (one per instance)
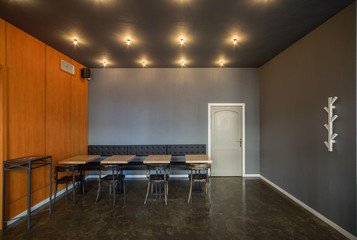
(79, 159)
(118, 159)
(157, 159)
(197, 158)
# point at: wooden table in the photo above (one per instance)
(118, 159)
(157, 159)
(197, 158)
(79, 159)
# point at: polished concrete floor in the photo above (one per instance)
(240, 209)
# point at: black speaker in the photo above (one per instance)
(85, 73)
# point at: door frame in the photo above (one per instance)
(210, 105)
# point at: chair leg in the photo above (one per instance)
(99, 187)
(209, 191)
(206, 186)
(82, 184)
(147, 192)
(74, 194)
(54, 200)
(114, 186)
(190, 193)
(66, 194)
(165, 189)
(124, 189)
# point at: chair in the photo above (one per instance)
(158, 175)
(116, 179)
(199, 173)
(73, 176)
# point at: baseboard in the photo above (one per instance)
(314, 212)
(23, 214)
(141, 176)
(251, 175)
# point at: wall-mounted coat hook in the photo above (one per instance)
(329, 126)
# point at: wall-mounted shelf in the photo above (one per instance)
(329, 126)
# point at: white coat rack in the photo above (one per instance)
(329, 126)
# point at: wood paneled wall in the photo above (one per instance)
(79, 113)
(46, 109)
(58, 108)
(25, 59)
(3, 101)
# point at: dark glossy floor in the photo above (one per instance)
(240, 209)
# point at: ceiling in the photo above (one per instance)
(263, 28)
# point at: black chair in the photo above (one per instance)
(73, 176)
(158, 175)
(116, 179)
(199, 173)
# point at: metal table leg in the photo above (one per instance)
(3, 198)
(50, 185)
(29, 197)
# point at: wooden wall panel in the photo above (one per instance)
(46, 111)
(79, 112)
(58, 108)
(25, 58)
(2, 42)
(21, 204)
(3, 103)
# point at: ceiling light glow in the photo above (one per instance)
(235, 41)
(144, 63)
(75, 42)
(182, 63)
(221, 63)
(181, 41)
(128, 42)
(105, 63)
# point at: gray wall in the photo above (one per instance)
(169, 106)
(294, 88)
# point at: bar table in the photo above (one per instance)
(25, 164)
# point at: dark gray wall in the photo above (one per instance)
(169, 106)
(294, 88)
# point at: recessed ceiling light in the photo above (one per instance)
(75, 42)
(144, 63)
(128, 41)
(182, 41)
(105, 63)
(221, 63)
(182, 63)
(235, 41)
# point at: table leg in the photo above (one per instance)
(50, 185)
(29, 197)
(82, 172)
(3, 198)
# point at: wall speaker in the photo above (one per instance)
(85, 73)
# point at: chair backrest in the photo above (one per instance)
(107, 167)
(157, 169)
(200, 166)
(68, 168)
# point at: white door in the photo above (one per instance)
(226, 140)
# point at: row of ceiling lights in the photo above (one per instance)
(144, 63)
